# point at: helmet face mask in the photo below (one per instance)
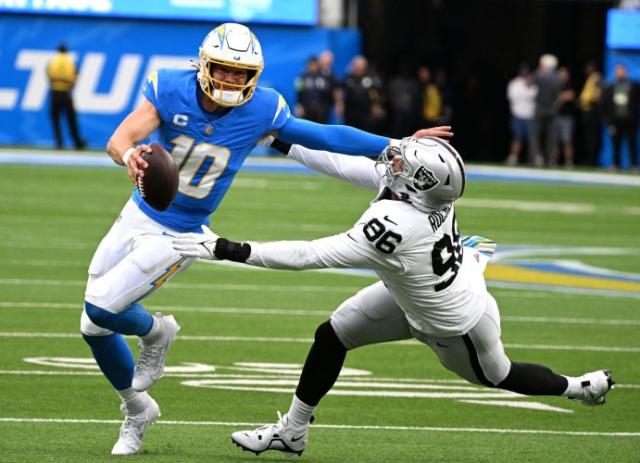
(426, 172)
(232, 46)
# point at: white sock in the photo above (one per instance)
(299, 414)
(155, 331)
(135, 402)
(574, 388)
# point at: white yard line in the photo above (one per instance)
(320, 288)
(363, 379)
(187, 309)
(529, 206)
(610, 349)
(334, 426)
(569, 321)
(211, 286)
(305, 313)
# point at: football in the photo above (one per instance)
(159, 185)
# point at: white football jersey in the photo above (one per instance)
(417, 255)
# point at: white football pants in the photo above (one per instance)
(133, 260)
(373, 316)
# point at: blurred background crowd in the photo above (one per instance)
(549, 112)
(546, 106)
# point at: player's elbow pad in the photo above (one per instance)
(232, 250)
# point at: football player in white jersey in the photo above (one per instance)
(432, 285)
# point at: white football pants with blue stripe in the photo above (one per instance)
(133, 260)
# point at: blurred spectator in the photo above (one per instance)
(313, 91)
(565, 121)
(325, 60)
(62, 74)
(620, 106)
(629, 4)
(590, 113)
(521, 94)
(363, 105)
(404, 103)
(549, 87)
(446, 111)
(431, 98)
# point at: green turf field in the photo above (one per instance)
(404, 407)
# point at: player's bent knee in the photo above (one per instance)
(326, 335)
(99, 316)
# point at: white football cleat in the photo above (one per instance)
(150, 366)
(133, 428)
(595, 386)
(277, 436)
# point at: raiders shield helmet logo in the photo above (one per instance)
(424, 179)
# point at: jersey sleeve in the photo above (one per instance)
(152, 89)
(357, 170)
(281, 114)
(363, 246)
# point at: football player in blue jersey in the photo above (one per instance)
(209, 120)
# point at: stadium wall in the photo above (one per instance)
(115, 55)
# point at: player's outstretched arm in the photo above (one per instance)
(138, 125)
(336, 138)
(338, 251)
(357, 170)
(343, 138)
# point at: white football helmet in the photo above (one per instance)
(427, 172)
(232, 45)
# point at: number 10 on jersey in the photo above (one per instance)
(199, 165)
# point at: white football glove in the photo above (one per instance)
(201, 245)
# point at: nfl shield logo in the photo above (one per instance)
(424, 179)
(208, 130)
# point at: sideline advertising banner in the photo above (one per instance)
(299, 12)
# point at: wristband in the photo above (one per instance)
(127, 154)
(232, 250)
(281, 146)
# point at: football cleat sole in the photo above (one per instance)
(287, 451)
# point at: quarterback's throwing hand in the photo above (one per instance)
(201, 245)
(134, 163)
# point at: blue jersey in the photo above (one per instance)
(209, 148)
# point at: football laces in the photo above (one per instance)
(140, 186)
